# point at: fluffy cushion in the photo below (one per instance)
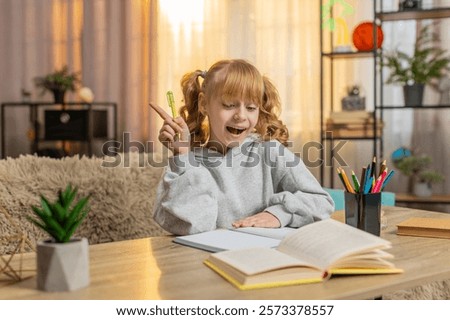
(438, 290)
(122, 193)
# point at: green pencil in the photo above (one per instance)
(171, 102)
(342, 179)
(355, 182)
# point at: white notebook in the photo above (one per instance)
(231, 239)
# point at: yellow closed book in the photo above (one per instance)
(425, 227)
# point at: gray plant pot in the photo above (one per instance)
(422, 189)
(62, 266)
(413, 94)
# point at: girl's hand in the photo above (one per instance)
(263, 220)
(174, 133)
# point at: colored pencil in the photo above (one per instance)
(382, 166)
(355, 182)
(363, 179)
(374, 168)
(379, 182)
(342, 179)
(386, 180)
(347, 182)
(171, 102)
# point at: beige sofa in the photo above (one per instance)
(121, 197)
(122, 193)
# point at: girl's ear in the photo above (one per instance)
(202, 103)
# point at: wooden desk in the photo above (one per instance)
(156, 268)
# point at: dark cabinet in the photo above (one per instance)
(69, 122)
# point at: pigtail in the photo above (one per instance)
(269, 125)
(190, 112)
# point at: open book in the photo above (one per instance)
(309, 254)
(232, 239)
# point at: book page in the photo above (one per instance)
(372, 259)
(223, 239)
(324, 242)
(275, 233)
(257, 260)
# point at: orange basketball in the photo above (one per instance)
(363, 36)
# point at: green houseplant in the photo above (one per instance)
(62, 261)
(428, 62)
(58, 82)
(422, 178)
(430, 176)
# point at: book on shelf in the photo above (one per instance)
(309, 254)
(350, 114)
(425, 227)
(363, 133)
(348, 117)
(232, 239)
(352, 125)
(353, 129)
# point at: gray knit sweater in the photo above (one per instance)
(204, 190)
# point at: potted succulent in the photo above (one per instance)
(422, 178)
(427, 63)
(62, 261)
(58, 82)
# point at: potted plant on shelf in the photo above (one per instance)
(62, 261)
(58, 82)
(428, 62)
(422, 178)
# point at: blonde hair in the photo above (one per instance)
(230, 79)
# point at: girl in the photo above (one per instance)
(230, 165)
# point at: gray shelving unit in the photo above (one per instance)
(392, 17)
(327, 138)
(379, 16)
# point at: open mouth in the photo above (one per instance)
(236, 131)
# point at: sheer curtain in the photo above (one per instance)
(132, 52)
(107, 42)
(37, 37)
(117, 55)
(432, 127)
(280, 37)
